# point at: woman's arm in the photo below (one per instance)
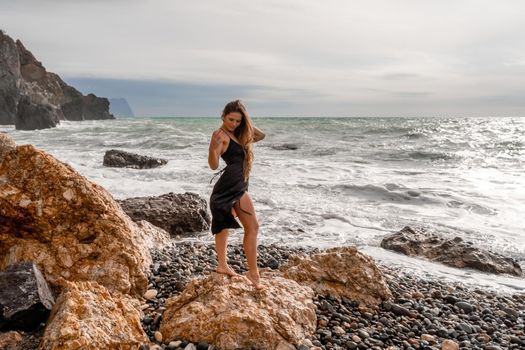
(258, 135)
(215, 150)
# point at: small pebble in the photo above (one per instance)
(150, 294)
(158, 336)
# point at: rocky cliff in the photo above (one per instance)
(33, 98)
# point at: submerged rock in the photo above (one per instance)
(340, 272)
(25, 297)
(230, 314)
(87, 316)
(122, 159)
(177, 213)
(453, 252)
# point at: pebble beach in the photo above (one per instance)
(424, 314)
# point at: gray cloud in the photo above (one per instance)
(288, 57)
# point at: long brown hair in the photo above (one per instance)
(243, 133)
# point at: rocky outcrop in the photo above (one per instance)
(86, 316)
(31, 116)
(9, 79)
(453, 252)
(120, 107)
(76, 106)
(230, 314)
(48, 98)
(174, 212)
(121, 159)
(70, 227)
(25, 297)
(340, 272)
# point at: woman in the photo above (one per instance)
(233, 143)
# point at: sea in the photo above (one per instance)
(326, 182)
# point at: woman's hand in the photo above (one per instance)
(258, 135)
(218, 138)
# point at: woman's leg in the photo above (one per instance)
(246, 213)
(221, 248)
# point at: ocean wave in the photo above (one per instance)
(427, 155)
(415, 135)
(389, 192)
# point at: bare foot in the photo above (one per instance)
(226, 271)
(255, 279)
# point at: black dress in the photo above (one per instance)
(228, 190)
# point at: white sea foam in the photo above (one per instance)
(349, 181)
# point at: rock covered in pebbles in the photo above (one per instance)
(25, 297)
(229, 313)
(70, 227)
(340, 272)
(86, 316)
(453, 252)
(120, 159)
(177, 213)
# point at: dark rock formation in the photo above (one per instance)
(453, 252)
(121, 159)
(31, 116)
(49, 98)
(25, 297)
(175, 213)
(119, 107)
(76, 106)
(9, 76)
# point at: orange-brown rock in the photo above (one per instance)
(6, 144)
(340, 272)
(70, 227)
(86, 316)
(153, 237)
(229, 313)
(10, 340)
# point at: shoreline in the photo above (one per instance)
(422, 315)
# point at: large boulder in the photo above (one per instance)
(122, 159)
(25, 297)
(10, 76)
(87, 317)
(340, 272)
(230, 314)
(177, 213)
(32, 116)
(453, 252)
(70, 227)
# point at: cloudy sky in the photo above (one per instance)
(284, 57)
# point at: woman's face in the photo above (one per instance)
(232, 120)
